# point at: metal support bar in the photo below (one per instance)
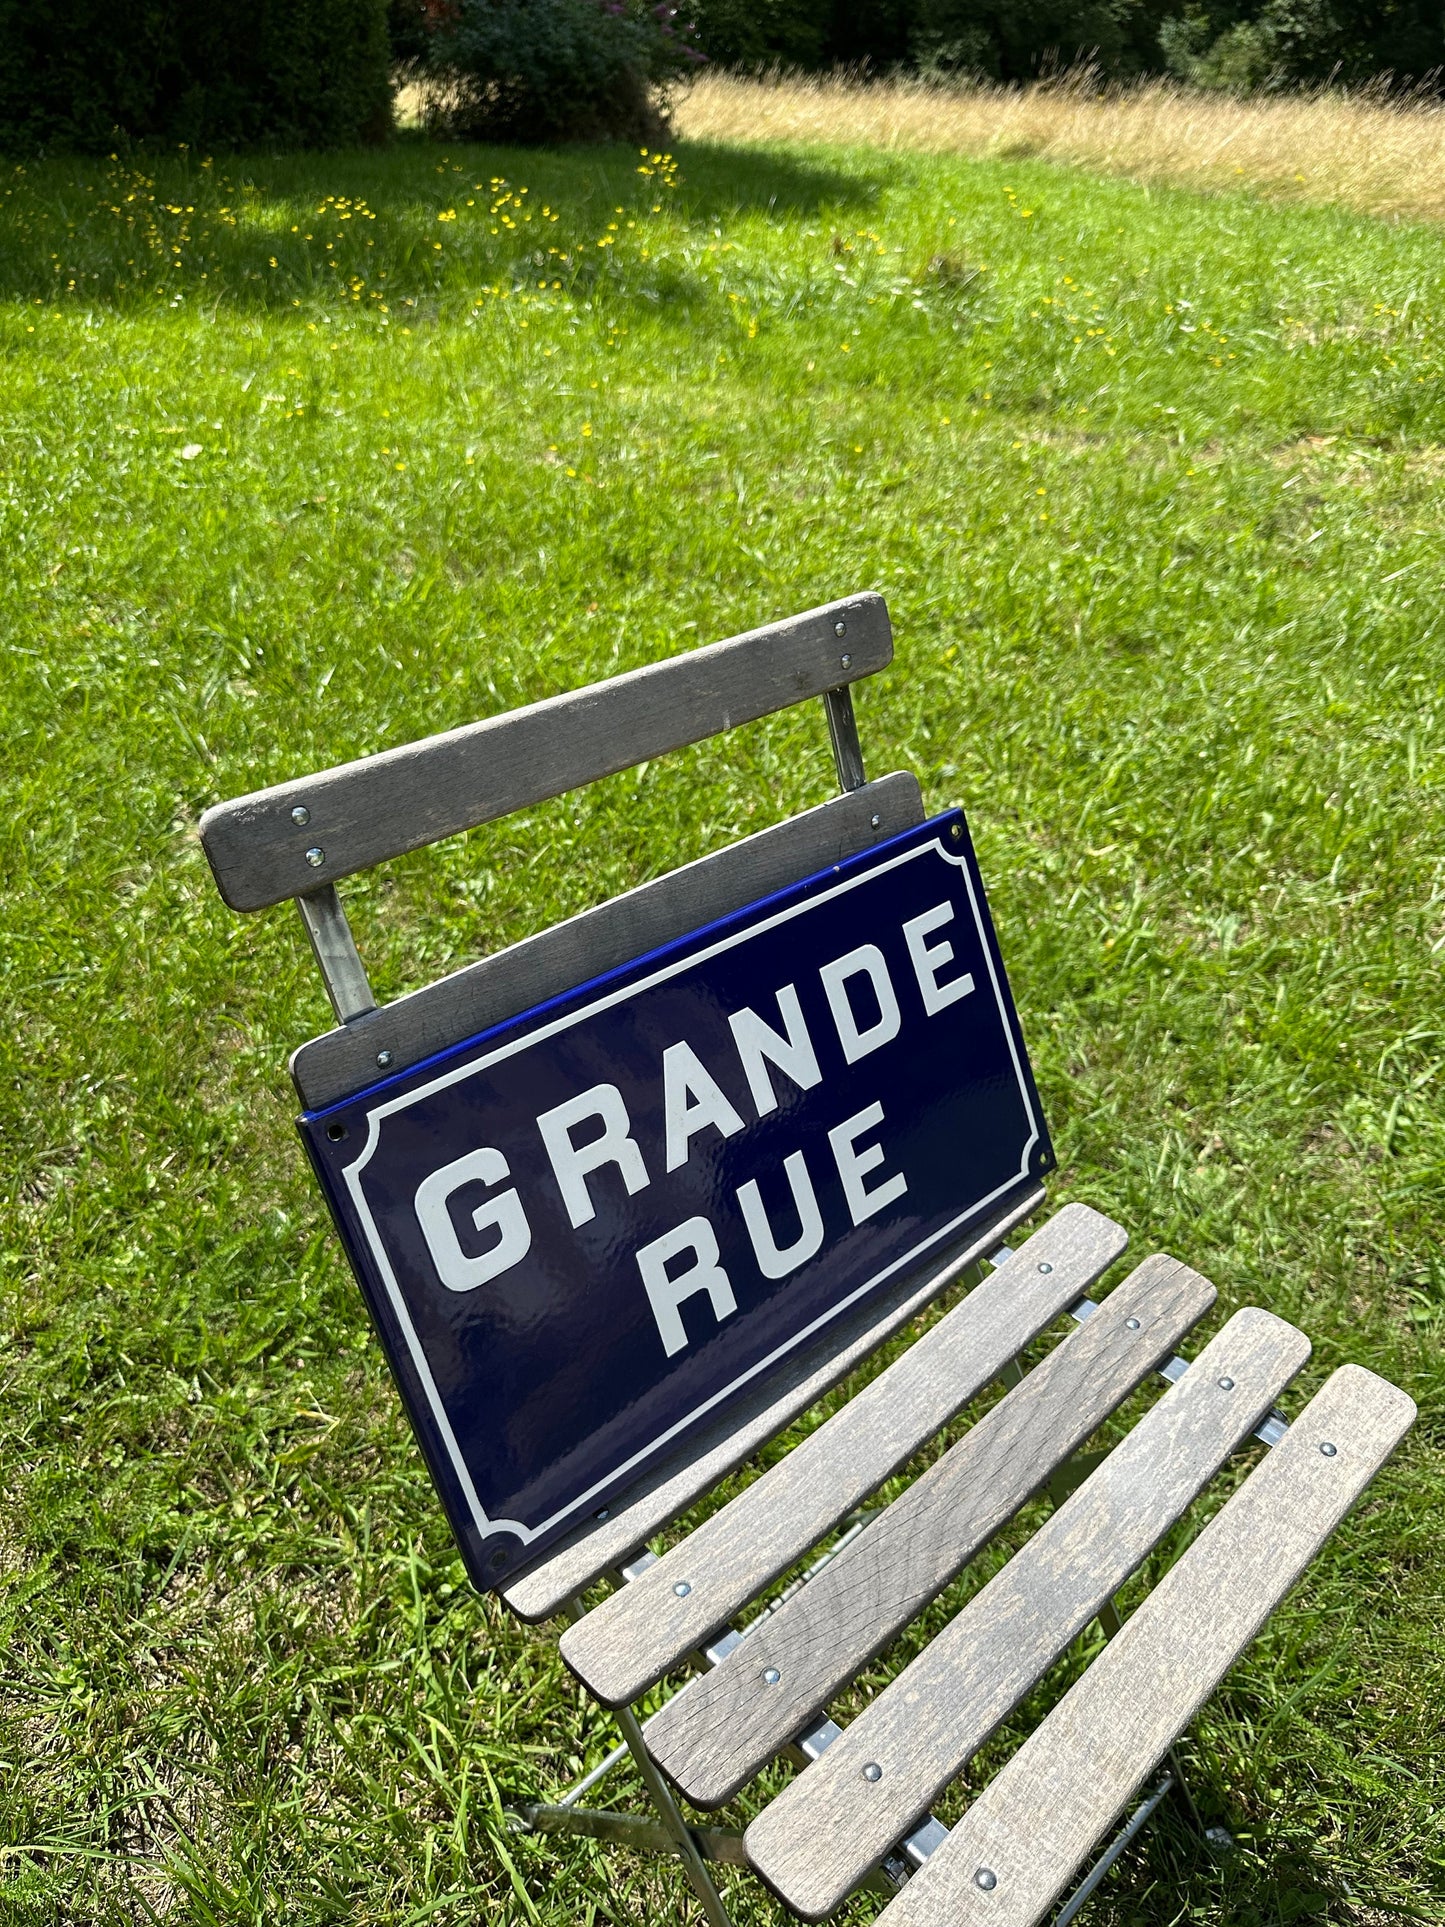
(628, 1830)
(843, 734)
(1186, 1800)
(910, 1853)
(334, 948)
(712, 1901)
(1111, 1853)
(589, 1780)
(668, 1811)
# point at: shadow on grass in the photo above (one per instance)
(1256, 1883)
(372, 229)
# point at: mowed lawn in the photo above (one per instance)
(303, 458)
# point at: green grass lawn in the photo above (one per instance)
(299, 459)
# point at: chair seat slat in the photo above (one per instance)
(824, 1832)
(1037, 1820)
(758, 1415)
(718, 1733)
(645, 1629)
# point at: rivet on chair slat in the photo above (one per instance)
(713, 1737)
(1037, 1820)
(822, 1834)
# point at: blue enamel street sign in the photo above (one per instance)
(582, 1232)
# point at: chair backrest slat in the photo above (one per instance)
(290, 839)
(497, 987)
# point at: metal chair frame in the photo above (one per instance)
(310, 842)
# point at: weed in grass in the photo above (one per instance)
(1150, 482)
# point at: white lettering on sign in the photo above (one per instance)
(858, 1039)
(864, 1005)
(760, 1045)
(666, 1293)
(854, 1165)
(775, 1260)
(572, 1162)
(692, 1099)
(502, 1213)
(929, 958)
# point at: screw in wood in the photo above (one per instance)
(316, 856)
(1132, 1324)
(771, 1676)
(383, 1059)
(1329, 1450)
(300, 815)
(682, 1589)
(872, 1771)
(840, 628)
(1226, 1384)
(986, 1878)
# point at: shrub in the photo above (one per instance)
(87, 74)
(551, 70)
(1238, 47)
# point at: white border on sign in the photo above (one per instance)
(374, 1117)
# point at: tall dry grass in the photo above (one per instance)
(1363, 150)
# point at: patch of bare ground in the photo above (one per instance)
(1369, 150)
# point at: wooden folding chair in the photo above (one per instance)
(575, 1390)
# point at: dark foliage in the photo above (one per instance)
(88, 74)
(1224, 43)
(1220, 43)
(547, 70)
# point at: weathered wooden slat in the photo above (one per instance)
(1021, 1841)
(646, 1628)
(759, 1415)
(825, 1831)
(284, 841)
(341, 1061)
(714, 1736)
